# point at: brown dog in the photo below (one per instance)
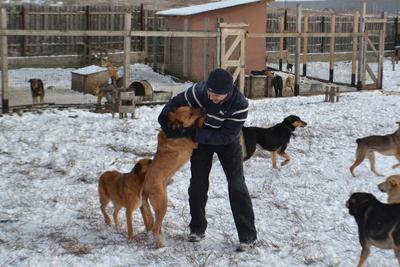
(171, 155)
(289, 86)
(37, 90)
(125, 190)
(392, 187)
(388, 145)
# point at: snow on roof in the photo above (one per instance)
(89, 70)
(192, 10)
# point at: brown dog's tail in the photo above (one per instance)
(147, 213)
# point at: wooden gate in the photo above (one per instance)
(366, 47)
(233, 50)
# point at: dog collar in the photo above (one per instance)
(290, 130)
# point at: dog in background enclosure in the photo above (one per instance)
(37, 90)
(289, 85)
(289, 67)
(277, 82)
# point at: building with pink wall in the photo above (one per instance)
(201, 53)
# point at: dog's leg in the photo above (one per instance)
(103, 206)
(146, 214)
(286, 157)
(249, 150)
(360, 156)
(397, 254)
(371, 157)
(159, 202)
(129, 217)
(398, 164)
(363, 257)
(41, 99)
(274, 156)
(99, 97)
(115, 215)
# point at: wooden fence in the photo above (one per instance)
(76, 18)
(320, 21)
(111, 18)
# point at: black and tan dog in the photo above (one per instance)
(388, 145)
(378, 224)
(37, 90)
(125, 190)
(274, 139)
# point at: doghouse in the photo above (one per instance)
(203, 53)
(86, 79)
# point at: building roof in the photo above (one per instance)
(192, 10)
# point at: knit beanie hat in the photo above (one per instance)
(220, 82)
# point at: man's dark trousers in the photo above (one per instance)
(230, 157)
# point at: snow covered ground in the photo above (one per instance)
(50, 164)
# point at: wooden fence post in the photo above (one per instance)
(382, 37)
(205, 50)
(281, 39)
(146, 39)
(298, 49)
(361, 59)
(332, 49)
(305, 46)
(185, 51)
(127, 49)
(4, 62)
(24, 27)
(285, 29)
(322, 30)
(356, 18)
(87, 38)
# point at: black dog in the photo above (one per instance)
(289, 67)
(277, 83)
(378, 224)
(274, 139)
(37, 90)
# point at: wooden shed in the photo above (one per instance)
(194, 58)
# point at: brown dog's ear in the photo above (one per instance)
(137, 168)
(392, 183)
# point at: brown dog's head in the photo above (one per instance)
(359, 201)
(185, 117)
(36, 83)
(141, 167)
(391, 184)
(269, 73)
(295, 121)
